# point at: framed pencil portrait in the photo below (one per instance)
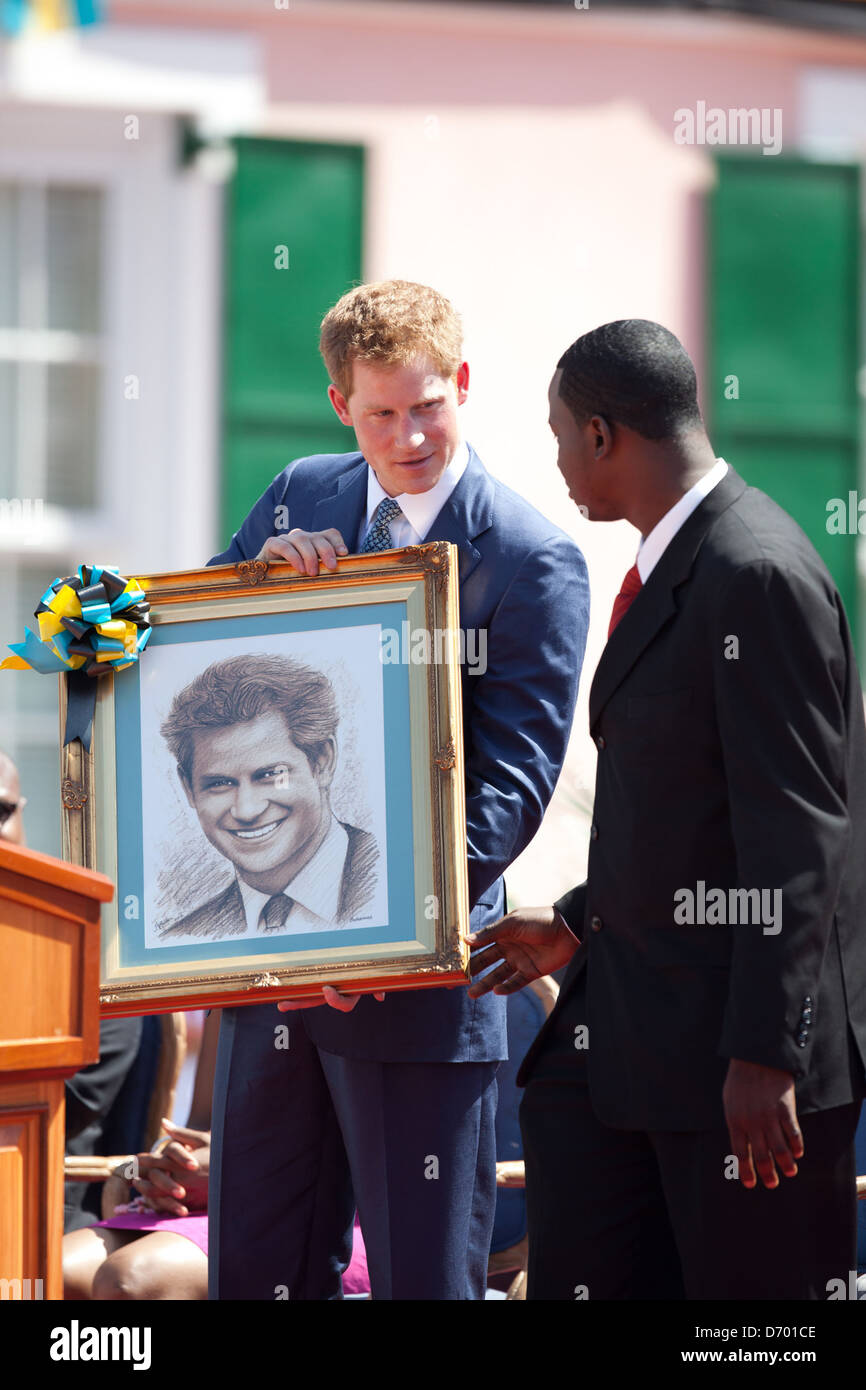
(276, 787)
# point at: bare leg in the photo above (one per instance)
(84, 1251)
(159, 1265)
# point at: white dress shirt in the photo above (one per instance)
(420, 509)
(653, 546)
(315, 890)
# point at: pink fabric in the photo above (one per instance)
(194, 1226)
(355, 1280)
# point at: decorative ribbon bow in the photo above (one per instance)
(89, 623)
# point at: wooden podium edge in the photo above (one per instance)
(31, 863)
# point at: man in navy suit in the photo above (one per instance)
(389, 1103)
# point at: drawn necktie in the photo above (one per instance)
(276, 911)
(379, 535)
(631, 587)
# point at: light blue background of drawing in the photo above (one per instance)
(398, 763)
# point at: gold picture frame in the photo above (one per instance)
(117, 798)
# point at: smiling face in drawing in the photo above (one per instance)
(259, 799)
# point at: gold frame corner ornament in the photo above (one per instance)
(252, 571)
(435, 557)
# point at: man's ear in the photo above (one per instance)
(326, 763)
(340, 404)
(602, 436)
(186, 786)
(462, 382)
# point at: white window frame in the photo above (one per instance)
(158, 469)
(30, 342)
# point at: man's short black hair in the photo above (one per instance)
(634, 373)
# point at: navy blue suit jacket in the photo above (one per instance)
(525, 582)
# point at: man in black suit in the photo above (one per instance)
(254, 738)
(711, 1029)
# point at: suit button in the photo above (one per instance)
(807, 1001)
(593, 832)
(806, 1016)
(596, 923)
(601, 742)
(801, 1042)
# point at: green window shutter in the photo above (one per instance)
(307, 198)
(783, 279)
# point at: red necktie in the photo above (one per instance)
(631, 587)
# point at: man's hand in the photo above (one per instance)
(305, 550)
(344, 1002)
(761, 1114)
(530, 942)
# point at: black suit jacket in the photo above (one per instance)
(728, 716)
(223, 915)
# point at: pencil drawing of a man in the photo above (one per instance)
(254, 739)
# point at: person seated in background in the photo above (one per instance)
(154, 1247)
(92, 1112)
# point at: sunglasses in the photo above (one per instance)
(8, 809)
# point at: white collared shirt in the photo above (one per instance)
(315, 890)
(653, 546)
(420, 509)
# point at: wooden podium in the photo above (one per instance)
(49, 1029)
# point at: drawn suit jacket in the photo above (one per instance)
(223, 915)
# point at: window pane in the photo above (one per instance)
(73, 434)
(8, 256)
(8, 419)
(39, 770)
(74, 258)
(29, 706)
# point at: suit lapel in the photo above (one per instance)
(656, 603)
(466, 515)
(344, 508)
(229, 913)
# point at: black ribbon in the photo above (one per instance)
(80, 706)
